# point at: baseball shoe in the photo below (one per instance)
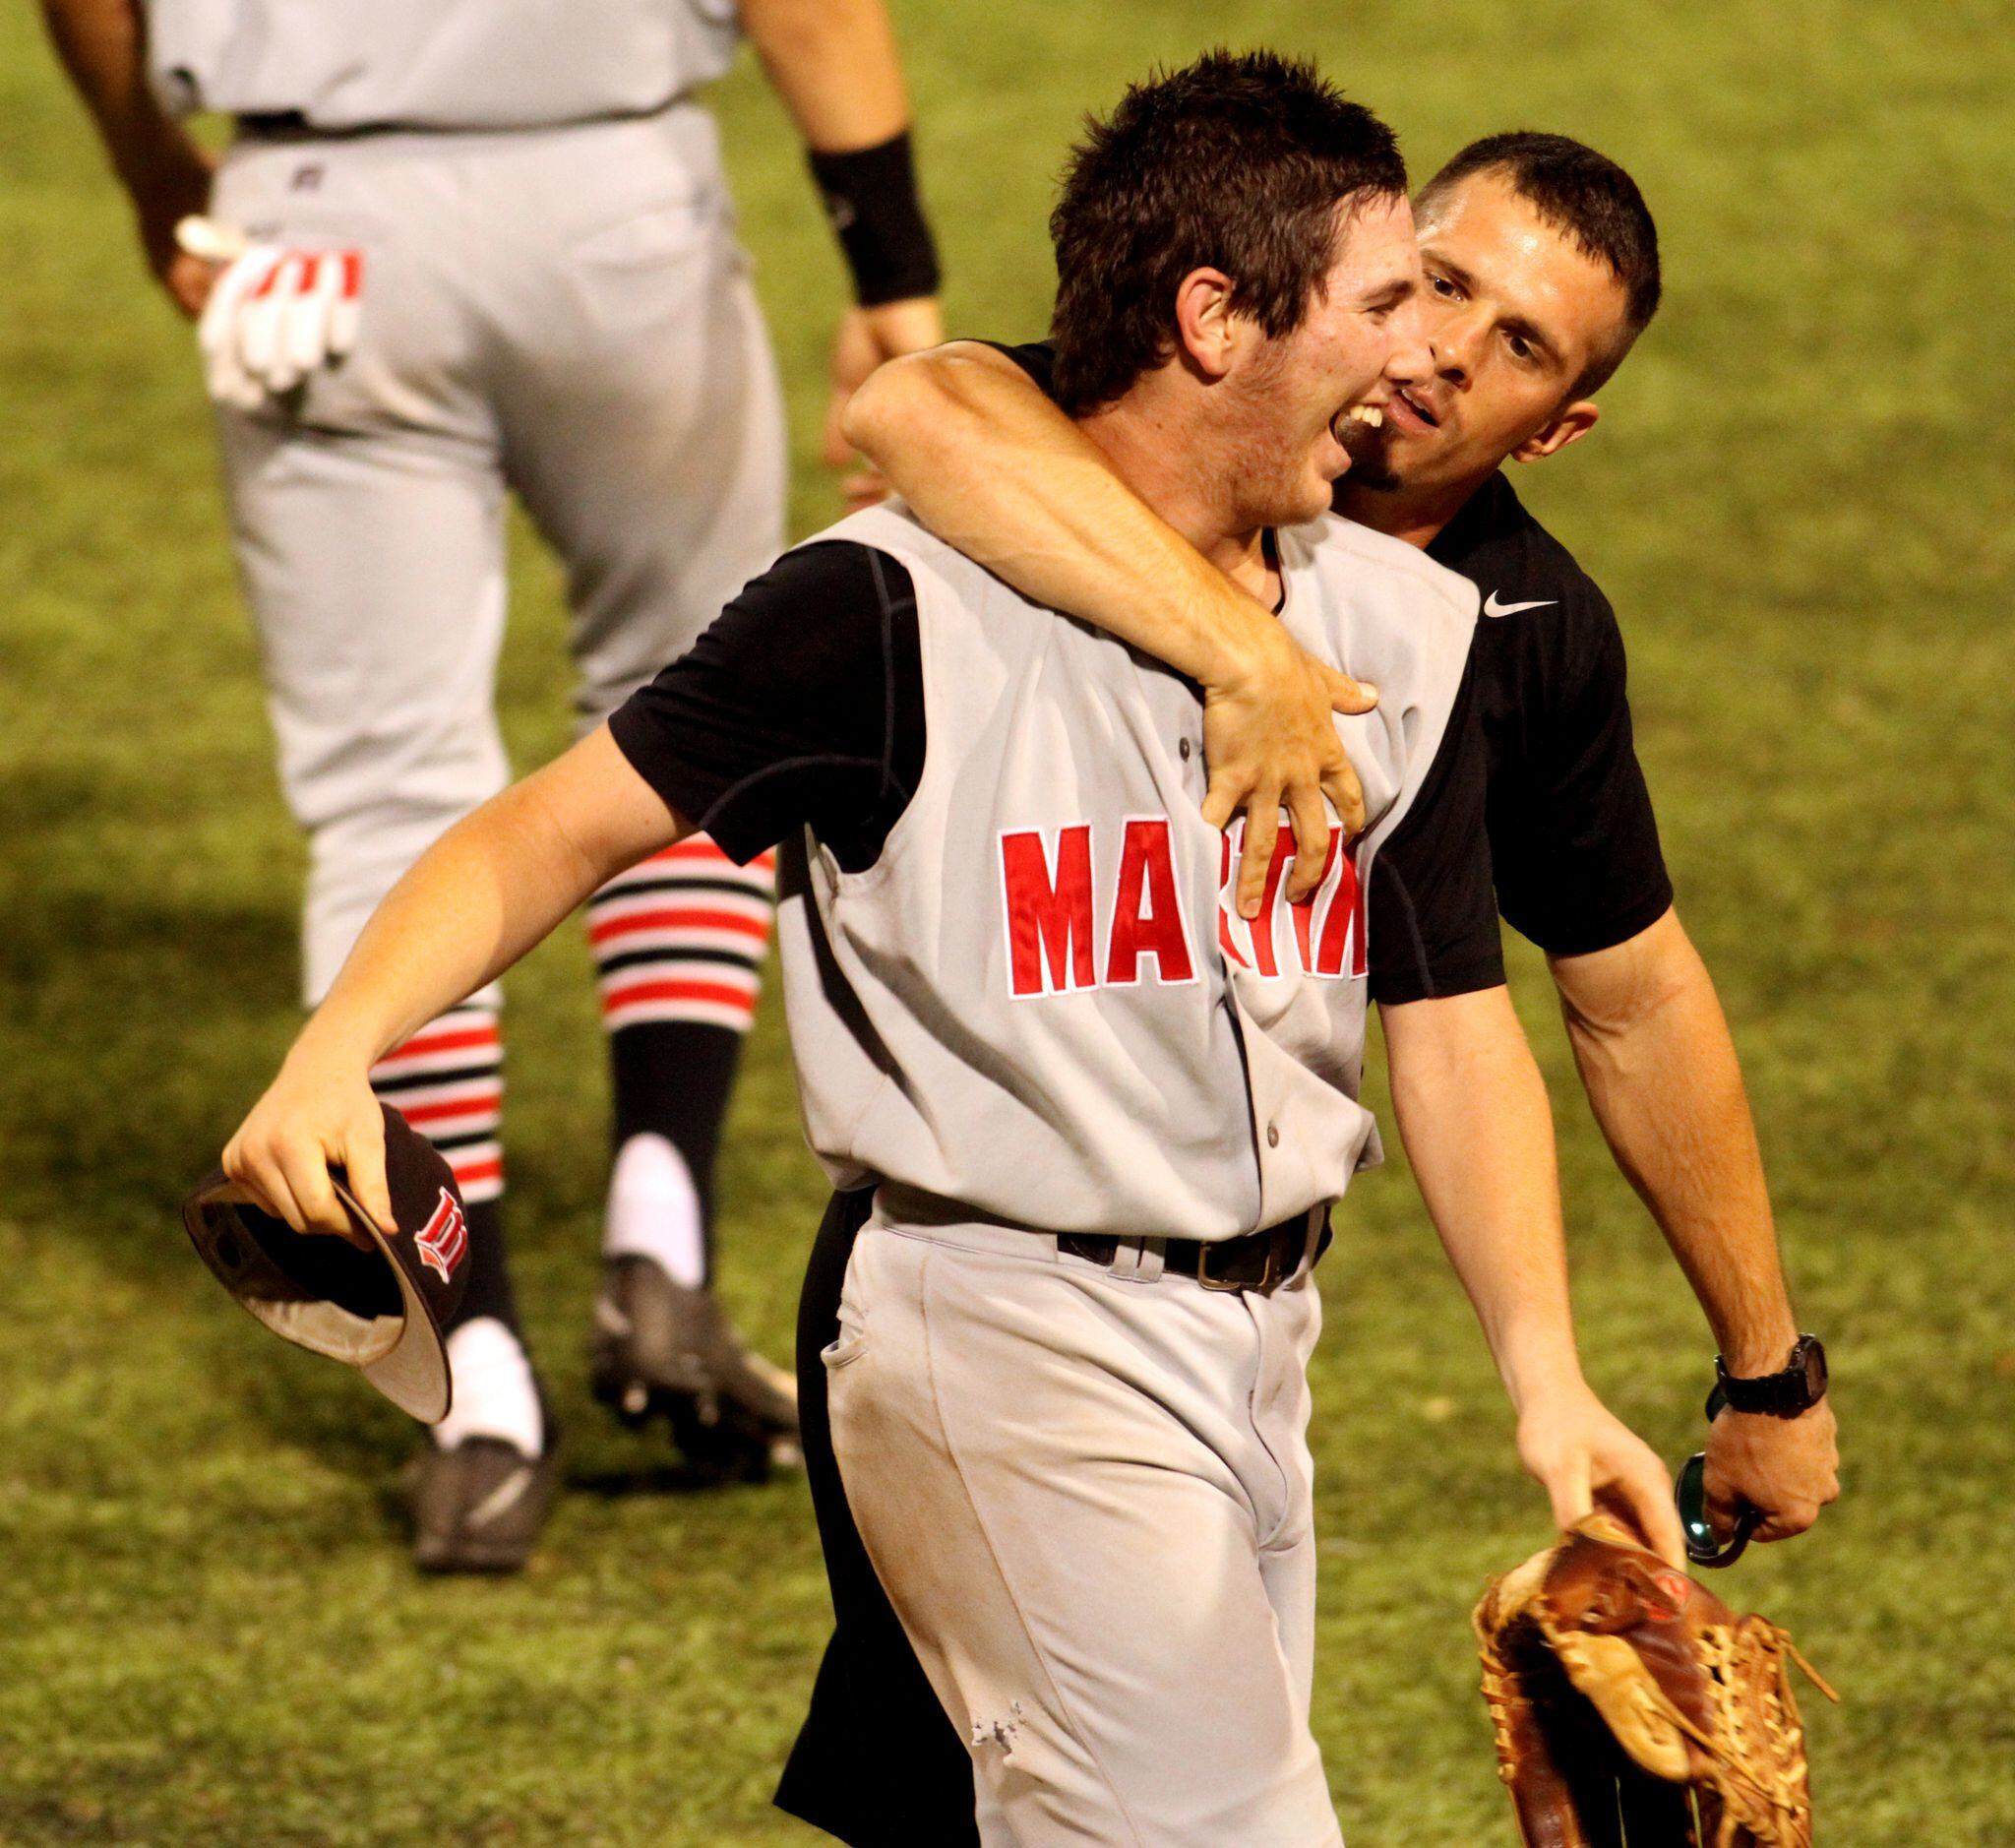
(479, 1507)
(663, 1349)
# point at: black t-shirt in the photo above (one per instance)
(1573, 841)
(803, 706)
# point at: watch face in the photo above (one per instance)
(1815, 1358)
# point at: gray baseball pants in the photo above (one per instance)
(1088, 1496)
(564, 314)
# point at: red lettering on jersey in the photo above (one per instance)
(1303, 912)
(1224, 916)
(1340, 944)
(1049, 916)
(1147, 910)
(1264, 929)
(1329, 925)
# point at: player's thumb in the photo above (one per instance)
(1570, 1489)
(1350, 696)
(1658, 1520)
(364, 1166)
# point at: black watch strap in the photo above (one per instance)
(1799, 1385)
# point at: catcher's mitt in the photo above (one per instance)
(1631, 1705)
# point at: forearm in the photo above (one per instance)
(1661, 1073)
(835, 66)
(474, 902)
(489, 890)
(1472, 1111)
(996, 469)
(103, 46)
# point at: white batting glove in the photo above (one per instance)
(275, 316)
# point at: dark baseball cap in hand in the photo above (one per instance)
(379, 1310)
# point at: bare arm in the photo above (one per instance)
(477, 900)
(996, 469)
(1661, 1073)
(1472, 1110)
(103, 45)
(836, 65)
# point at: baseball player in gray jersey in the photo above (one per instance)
(1094, 1111)
(460, 249)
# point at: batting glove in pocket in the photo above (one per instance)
(276, 315)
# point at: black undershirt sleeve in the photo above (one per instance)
(1432, 911)
(802, 704)
(1574, 837)
(1037, 359)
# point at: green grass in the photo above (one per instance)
(1802, 504)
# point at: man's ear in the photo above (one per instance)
(1210, 330)
(1569, 424)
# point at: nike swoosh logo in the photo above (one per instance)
(1491, 607)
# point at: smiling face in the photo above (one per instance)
(1517, 314)
(1359, 343)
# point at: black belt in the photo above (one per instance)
(294, 125)
(1256, 1261)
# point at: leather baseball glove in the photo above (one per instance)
(1631, 1706)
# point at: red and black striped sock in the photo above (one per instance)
(678, 942)
(448, 1081)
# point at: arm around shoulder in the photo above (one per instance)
(995, 468)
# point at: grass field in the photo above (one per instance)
(1803, 504)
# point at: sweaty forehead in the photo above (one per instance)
(1508, 252)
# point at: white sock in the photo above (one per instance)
(654, 1210)
(494, 1395)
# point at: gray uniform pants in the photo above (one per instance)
(563, 313)
(1088, 1498)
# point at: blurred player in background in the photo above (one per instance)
(459, 248)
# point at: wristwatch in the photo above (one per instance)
(1798, 1388)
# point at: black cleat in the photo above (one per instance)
(663, 1349)
(479, 1507)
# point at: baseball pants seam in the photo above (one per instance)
(1266, 1339)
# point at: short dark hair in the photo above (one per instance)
(1586, 195)
(1237, 163)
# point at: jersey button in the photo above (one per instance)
(1273, 1135)
(1183, 747)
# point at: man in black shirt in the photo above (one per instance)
(1541, 262)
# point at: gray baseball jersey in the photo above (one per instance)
(1039, 1000)
(1020, 1000)
(440, 64)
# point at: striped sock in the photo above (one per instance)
(681, 936)
(448, 1083)
(677, 942)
